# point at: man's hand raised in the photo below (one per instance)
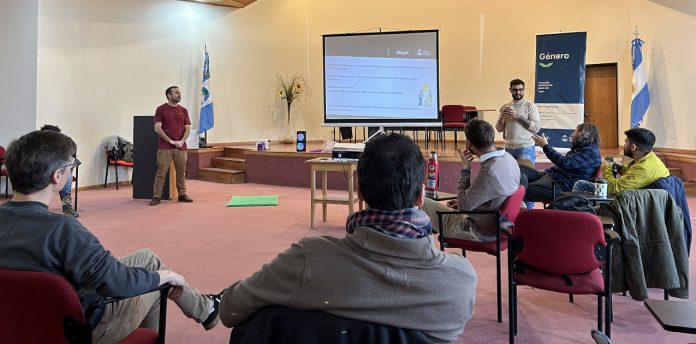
(467, 157)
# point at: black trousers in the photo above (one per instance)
(539, 185)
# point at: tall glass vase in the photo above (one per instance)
(288, 133)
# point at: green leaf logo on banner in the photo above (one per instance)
(546, 65)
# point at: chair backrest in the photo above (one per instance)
(511, 206)
(559, 241)
(453, 113)
(472, 112)
(277, 324)
(34, 306)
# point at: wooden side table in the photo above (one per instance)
(326, 165)
(442, 196)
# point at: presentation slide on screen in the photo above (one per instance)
(381, 77)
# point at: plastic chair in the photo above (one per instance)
(509, 210)
(42, 307)
(110, 161)
(278, 324)
(454, 119)
(561, 251)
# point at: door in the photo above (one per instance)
(601, 103)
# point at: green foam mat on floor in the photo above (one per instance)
(253, 201)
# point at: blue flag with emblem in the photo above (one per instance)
(207, 119)
(640, 99)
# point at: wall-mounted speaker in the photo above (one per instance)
(301, 141)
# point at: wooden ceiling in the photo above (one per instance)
(228, 3)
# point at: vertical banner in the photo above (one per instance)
(560, 84)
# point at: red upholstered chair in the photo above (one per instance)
(110, 161)
(42, 307)
(454, 119)
(563, 251)
(3, 172)
(509, 210)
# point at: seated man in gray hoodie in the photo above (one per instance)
(382, 270)
(35, 239)
(498, 178)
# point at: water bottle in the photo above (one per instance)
(432, 176)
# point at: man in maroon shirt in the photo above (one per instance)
(173, 125)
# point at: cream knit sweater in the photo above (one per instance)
(518, 131)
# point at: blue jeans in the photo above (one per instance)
(66, 189)
(584, 186)
(528, 153)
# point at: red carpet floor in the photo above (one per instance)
(214, 246)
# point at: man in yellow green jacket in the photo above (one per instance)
(645, 168)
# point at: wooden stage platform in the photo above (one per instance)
(283, 165)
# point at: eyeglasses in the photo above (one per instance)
(72, 165)
(517, 90)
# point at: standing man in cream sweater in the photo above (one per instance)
(518, 120)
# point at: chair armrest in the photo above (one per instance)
(164, 291)
(162, 288)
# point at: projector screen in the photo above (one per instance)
(381, 79)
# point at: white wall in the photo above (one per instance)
(101, 62)
(18, 30)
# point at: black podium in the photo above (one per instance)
(145, 158)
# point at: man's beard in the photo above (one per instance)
(517, 96)
(628, 153)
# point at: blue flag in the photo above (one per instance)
(640, 99)
(207, 120)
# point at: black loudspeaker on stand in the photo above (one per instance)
(301, 141)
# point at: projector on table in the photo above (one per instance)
(347, 151)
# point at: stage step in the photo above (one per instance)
(232, 152)
(220, 175)
(229, 163)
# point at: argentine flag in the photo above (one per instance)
(207, 120)
(640, 99)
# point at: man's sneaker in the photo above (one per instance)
(70, 211)
(155, 201)
(185, 198)
(213, 318)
